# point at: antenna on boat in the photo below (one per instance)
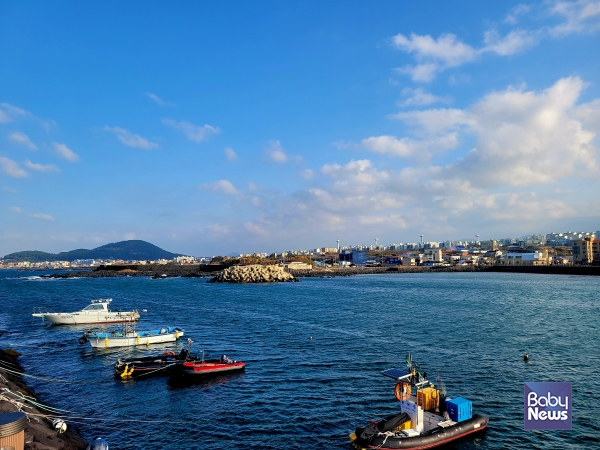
(441, 385)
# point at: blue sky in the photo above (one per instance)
(216, 127)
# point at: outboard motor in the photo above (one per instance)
(184, 355)
(442, 405)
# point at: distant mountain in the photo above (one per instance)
(126, 250)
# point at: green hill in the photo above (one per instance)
(125, 250)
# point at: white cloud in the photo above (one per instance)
(11, 168)
(22, 139)
(41, 167)
(581, 16)
(447, 48)
(42, 216)
(434, 56)
(130, 139)
(522, 137)
(256, 229)
(418, 97)
(422, 150)
(158, 100)
(193, 132)
(276, 153)
(230, 154)
(514, 42)
(421, 72)
(65, 152)
(15, 209)
(516, 12)
(221, 186)
(218, 228)
(589, 113)
(307, 174)
(435, 121)
(9, 113)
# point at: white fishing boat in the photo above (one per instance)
(128, 336)
(96, 312)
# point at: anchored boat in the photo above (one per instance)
(152, 365)
(426, 419)
(127, 336)
(96, 312)
(192, 370)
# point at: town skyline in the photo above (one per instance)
(208, 129)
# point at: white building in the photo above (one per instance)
(432, 255)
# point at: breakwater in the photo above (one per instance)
(209, 270)
(254, 273)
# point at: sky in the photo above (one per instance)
(212, 128)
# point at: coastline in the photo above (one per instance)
(39, 434)
(199, 271)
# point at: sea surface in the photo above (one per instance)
(314, 352)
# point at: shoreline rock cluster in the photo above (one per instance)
(39, 434)
(202, 271)
(254, 273)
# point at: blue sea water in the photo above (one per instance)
(303, 393)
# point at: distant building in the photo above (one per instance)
(524, 259)
(586, 251)
(408, 261)
(433, 255)
(393, 260)
(354, 257)
(184, 259)
(296, 265)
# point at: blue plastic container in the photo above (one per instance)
(459, 409)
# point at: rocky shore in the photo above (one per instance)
(351, 271)
(254, 273)
(200, 271)
(39, 434)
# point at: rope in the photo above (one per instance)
(56, 380)
(153, 371)
(67, 418)
(33, 402)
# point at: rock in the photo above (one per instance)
(255, 273)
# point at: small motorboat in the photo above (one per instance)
(127, 336)
(427, 419)
(96, 312)
(190, 370)
(152, 365)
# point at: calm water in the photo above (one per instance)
(302, 393)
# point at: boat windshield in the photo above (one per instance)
(94, 306)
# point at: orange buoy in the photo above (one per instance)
(402, 390)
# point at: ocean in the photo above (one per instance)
(314, 351)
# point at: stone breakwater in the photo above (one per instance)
(193, 271)
(39, 434)
(255, 273)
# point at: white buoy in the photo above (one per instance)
(59, 425)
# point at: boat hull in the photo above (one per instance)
(153, 365)
(87, 319)
(133, 339)
(439, 437)
(197, 370)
